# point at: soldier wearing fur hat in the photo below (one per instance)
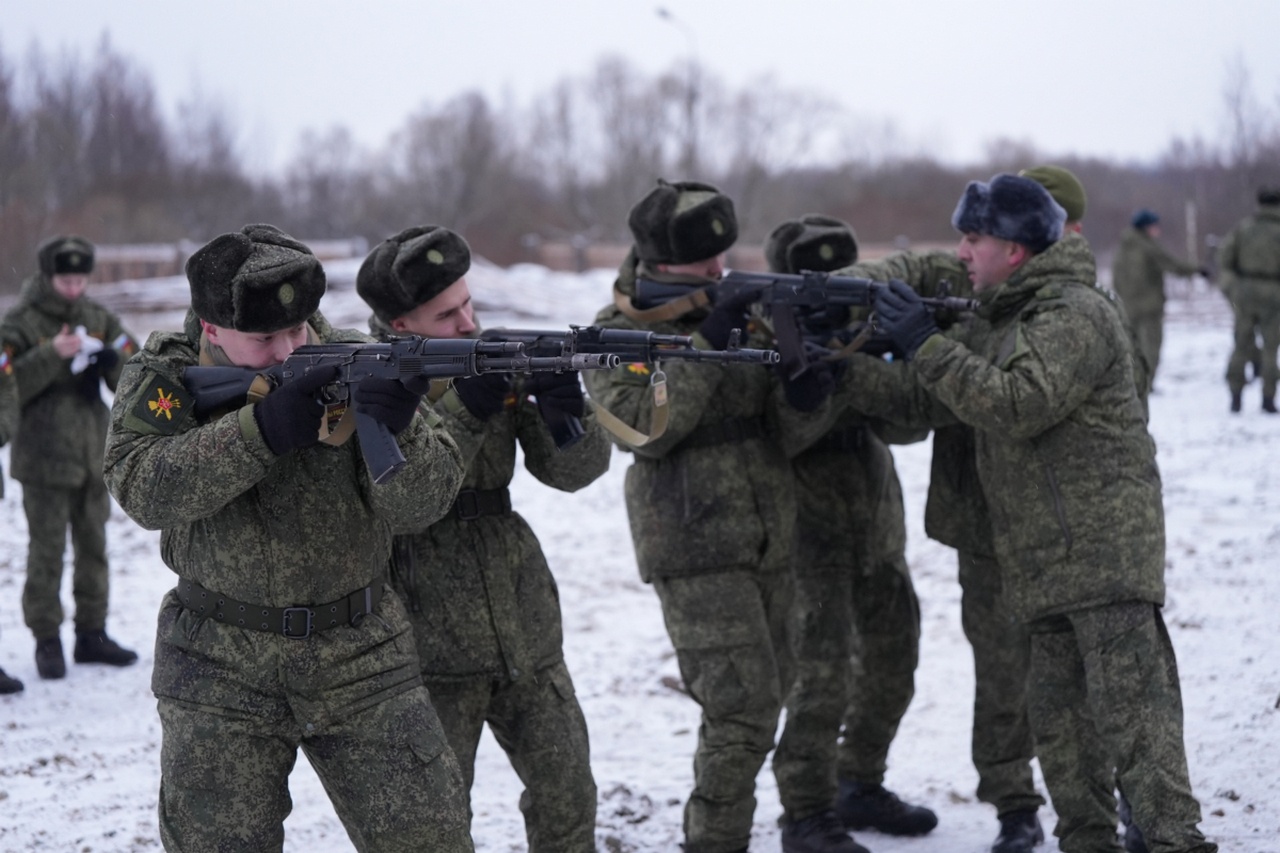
(711, 503)
(855, 602)
(481, 597)
(1137, 276)
(1068, 471)
(280, 634)
(61, 346)
(1250, 262)
(8, 423)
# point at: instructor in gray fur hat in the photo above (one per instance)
(1043, 374)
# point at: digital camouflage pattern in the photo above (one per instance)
(956, 514)
(486, 617)
(57, 451)
(305, 528)
(855, 604)
(1137, 276)
(712, 528)
(1250, 262)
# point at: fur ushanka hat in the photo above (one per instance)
(413, 267)
(1012, 208)
(682, 223)
(812, 242)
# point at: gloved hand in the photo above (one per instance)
(289, 417)
(557, 392)
(485, 395)
(387, 401)
(103, 361)
(904, 318)
(729, 313)
(1205, 273)
(807, 391)
(98, 363)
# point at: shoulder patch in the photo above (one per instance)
(160, 408)
(6, 363)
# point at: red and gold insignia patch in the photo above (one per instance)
(639, 369)
(6, 363)
(160, 407)
(163, 405)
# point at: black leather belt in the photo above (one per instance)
(728, 431)
(475, 503)
(296, 623)
(845, 440)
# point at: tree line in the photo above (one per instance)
(86, 148)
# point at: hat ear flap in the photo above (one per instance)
(211, 268)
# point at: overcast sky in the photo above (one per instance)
(1116, 79)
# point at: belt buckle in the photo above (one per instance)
(467, 505)
(288, 613)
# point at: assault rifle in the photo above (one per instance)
(789, 300)
(628, 346)
(407, 358)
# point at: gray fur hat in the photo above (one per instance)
(257, 279)
(1012, 208)
(682, 223)
(65, 255)
(812, 242)
(411, 268)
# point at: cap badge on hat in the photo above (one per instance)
(435, 256)
(718, 227)
(75, 259)
(826, 252)
(285, 294)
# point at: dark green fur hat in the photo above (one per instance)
(258, 279)
(1012, 208)
(413, 267)
(812, 242)
(682, 223)
(64, 255)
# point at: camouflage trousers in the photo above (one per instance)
(224, 778)
(539, 724)
(1257, 314)
(1148, 331)
(858, 643)
(1106, 709)
(731, 634)
(1002, 745)
(50, 511)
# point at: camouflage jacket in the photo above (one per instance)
(1063, 454)
(481, 597)
(1137, 273)
(64, 421)
(306, 528)
(723, 505)
(8, 406)
(1250, 261)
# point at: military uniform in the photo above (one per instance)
(1250, 262)
(486, 617)
(306, 529)
(1137, 276)
(57, 451)
(712, 510)
(8, 423)
(1068, 469)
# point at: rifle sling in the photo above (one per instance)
(627, 434)
(672, 310)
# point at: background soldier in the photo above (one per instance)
(63, 345)
(259, 517)
(1039, 377)
(8, 423)
(711, 507)
(854, 600)
(1137, 277)
(1249, 261)
(481, 598)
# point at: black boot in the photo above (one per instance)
(1019, 832)
(97, 647)
(820, 833)
(1269, 405)
(867, 806)
(9, 684)
(1236, 402)
(49, 660)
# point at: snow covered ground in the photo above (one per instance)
(79, 758)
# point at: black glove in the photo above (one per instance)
(289, 417)
(103, 361)
(484, 395)
(904, 318)
(807, 391)
(387, 401)
(559, 392)
(1205, 273)
(729, 313)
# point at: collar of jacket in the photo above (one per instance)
(38, 292)
(1070, 260)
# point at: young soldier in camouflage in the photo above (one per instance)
(1250, 263)
(855, 602)
(279, 635)
(62, 346)
(711, 506)
(481, 598)
(1137, 277)
(1043, 374)
(8, 423)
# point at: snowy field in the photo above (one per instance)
(79, 757)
